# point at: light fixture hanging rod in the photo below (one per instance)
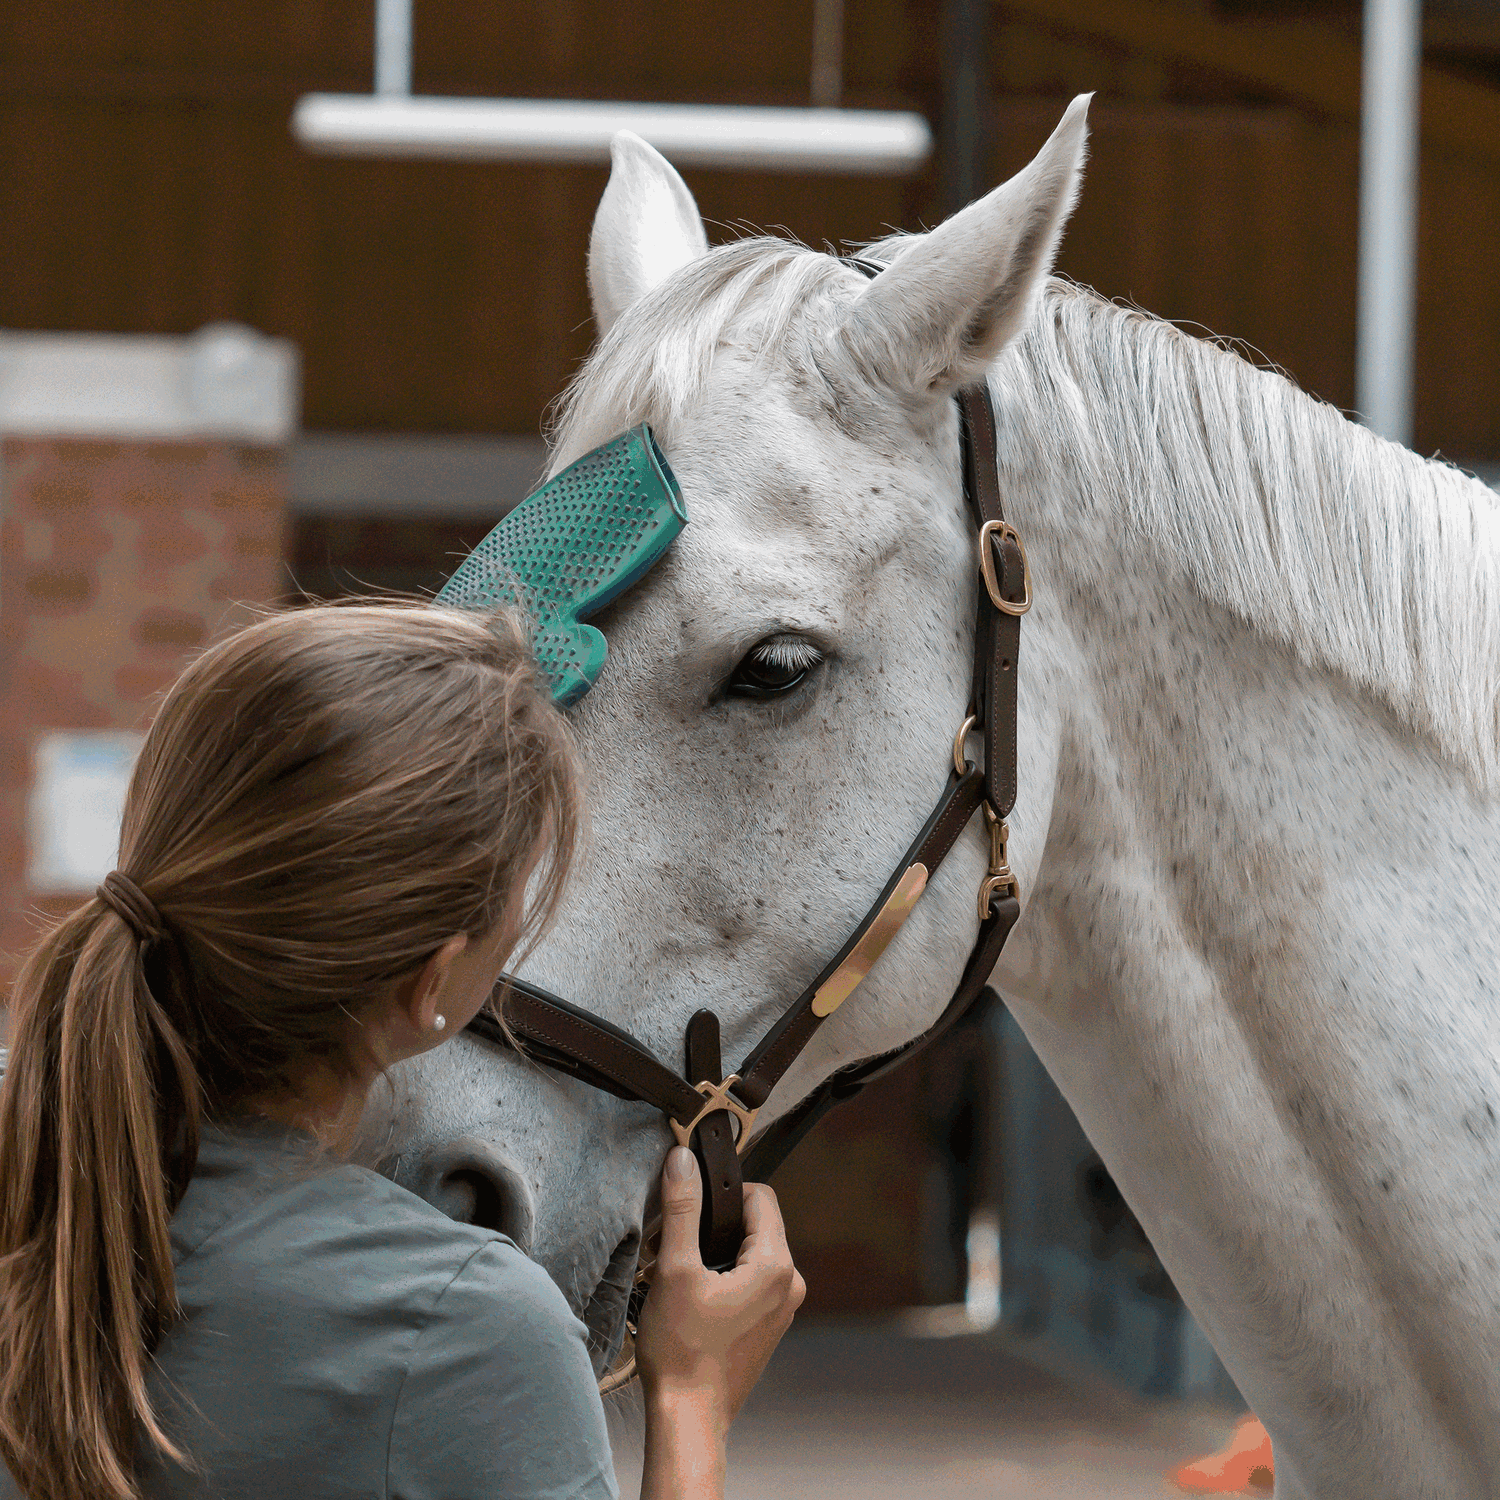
(393, 47)
(828, 54)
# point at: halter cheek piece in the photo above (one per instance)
(570, 548)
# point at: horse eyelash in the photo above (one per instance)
(791, 652)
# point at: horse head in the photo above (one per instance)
(777, 711)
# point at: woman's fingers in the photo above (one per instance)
(763, 1274)
(765, 1231)
(681, 1204)
(763, 1214)
(702, 1331)
(764, 1271)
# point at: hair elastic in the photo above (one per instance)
(133, 906)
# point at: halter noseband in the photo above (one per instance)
(714, 1114)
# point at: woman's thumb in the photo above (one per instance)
(681, 1204)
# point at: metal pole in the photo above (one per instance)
(1390, 137)
(965, 95)
(391, 121)
(393, 47)
(828, 54)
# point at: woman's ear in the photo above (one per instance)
(418, 997)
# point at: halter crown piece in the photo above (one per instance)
(133, 906)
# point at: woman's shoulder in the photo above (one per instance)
(479, 1361)
(264, 1208)
(375, 1336)
(499, 1395)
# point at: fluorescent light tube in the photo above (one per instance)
(737, 137)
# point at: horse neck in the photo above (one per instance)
(1231, 751)
(1257, 666)
(1257, 955)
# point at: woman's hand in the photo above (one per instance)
(706, 1335)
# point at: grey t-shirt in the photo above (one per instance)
(341, 1338)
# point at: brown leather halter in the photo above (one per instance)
(702, 1106)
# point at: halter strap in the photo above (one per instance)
(702, 1114)
(134, 907)
(563, 1036)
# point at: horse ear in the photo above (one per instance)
(647, 227)
(950, 301)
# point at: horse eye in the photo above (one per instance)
(774, 668)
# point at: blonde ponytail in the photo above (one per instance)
(98, 1082)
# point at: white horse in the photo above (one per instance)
(1257, 831)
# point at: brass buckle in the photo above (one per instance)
(716, 1097)
(1006, 532)
(1001, 875)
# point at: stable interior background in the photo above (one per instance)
(150, 185)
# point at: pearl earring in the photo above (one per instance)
(439, 1022)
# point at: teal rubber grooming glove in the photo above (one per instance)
(571, 547)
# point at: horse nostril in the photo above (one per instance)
(470, 1197)
(469, 1180)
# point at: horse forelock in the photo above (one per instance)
(655, 362)
(1361, 556)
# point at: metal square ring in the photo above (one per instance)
(716, 1097)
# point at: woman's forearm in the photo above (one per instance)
(685, 1433)
(705, 1335)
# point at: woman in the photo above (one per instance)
(325, 860)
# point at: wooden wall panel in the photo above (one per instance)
(1458, 314)
(1206, 204)
(1235, 220)
(148, 182)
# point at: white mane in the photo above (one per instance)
(1356, 553)
(1362, 557)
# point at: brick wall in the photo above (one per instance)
(117, 561)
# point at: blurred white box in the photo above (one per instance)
(77, 799)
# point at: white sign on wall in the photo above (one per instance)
(77, 797)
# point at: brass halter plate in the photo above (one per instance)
(850, 974)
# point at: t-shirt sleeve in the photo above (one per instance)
(499, 1400)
